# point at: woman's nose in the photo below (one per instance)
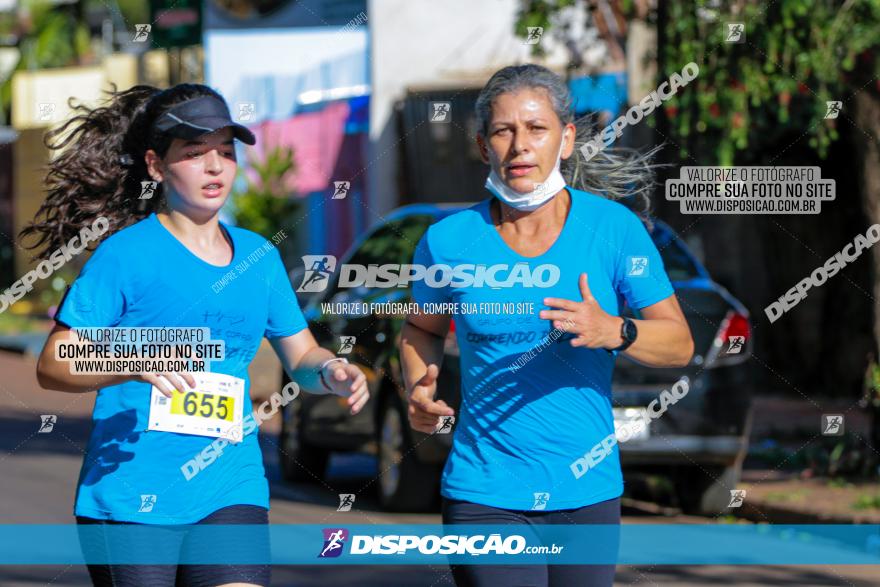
(214, 162)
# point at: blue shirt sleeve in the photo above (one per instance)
(97, 297)
(421, 292)
(640, 276)
(285, 316)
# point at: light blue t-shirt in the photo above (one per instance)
(143, 276)
(519, 429)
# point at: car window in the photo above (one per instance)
(393, 243)
(678, 263)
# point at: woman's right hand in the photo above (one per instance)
(424, 412)
(167, 382)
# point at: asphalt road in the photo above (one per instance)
(39, 473)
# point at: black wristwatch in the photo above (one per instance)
(628, 332)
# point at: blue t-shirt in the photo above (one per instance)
(519, 429)
(143, 276)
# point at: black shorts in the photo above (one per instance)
(201, 575)
(463, 512)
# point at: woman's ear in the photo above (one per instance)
(484, 149)
(569, 133)
(154, 165)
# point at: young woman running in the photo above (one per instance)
(159, 267)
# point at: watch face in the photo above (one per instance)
(629, 330)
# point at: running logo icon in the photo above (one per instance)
(316, 276)
(246, 111)
(637, 266)
(737, 496)
(832, 424)
(533, 35)
(147, 503)
(334, 541)
(340, 190)
(346, 344)
(148, 188)
(541, 500)
(47, 423)
(46, 110)
(735, 344)
(832, 109)
(444, 426)
(346, 500)
(736, 33)
(440, 112)
(141, 32)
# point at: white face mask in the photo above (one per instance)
(534, 199)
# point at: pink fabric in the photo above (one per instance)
(316, 139)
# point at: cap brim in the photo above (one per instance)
(209, 125)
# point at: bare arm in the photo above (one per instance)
(664, 337)
(301, 357)
(421, 356)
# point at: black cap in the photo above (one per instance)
(199, 116)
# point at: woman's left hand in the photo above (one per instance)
(346, 379)
(594, 327)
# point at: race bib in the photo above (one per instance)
(213, 408)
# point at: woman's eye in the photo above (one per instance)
(502, 130)
(193, 154)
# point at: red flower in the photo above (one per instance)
(714, 110)
(784, 98)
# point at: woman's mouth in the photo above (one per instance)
(519, 170)
(213, 190)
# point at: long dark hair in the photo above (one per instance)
(616, 173)
(101, 165)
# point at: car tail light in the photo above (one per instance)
(732, 343)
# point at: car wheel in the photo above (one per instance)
(299, 461)
(706, 490)
(405, 483)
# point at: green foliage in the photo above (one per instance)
(797, 55)
(266, 206)
(867, 502)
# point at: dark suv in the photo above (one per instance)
(699, 445)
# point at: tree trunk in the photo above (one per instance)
(867, 138)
